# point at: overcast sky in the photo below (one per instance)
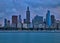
(37, 7)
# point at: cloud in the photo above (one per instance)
(21, 4)
(36, 6)
(43, 3)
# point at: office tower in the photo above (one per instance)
(25, 24)
(19, 25)
(57, 24)
(44, 20)
(14, 20)
(20, 20)
(48, 19)
(5, 22)
(37, 21)
(52, 19)
(27, 16)
(44, 23)
(8, 23)
(24, 20)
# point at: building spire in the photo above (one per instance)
(28, 8)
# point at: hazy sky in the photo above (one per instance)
(37, 7)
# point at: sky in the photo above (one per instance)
(37, 7)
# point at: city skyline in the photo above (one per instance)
(38, 23)
(38, 7)
(29, 21)
(28, 17)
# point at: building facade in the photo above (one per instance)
(48, 19)
(27, 16)
(5, 22)
(14, 20)
(37, 21)
(52, 19)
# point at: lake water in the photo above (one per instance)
(29, 37)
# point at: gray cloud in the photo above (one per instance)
(43, 3)
(36, 6)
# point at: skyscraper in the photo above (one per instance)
(8, 23)
(48, 19)
(52, 19)
(20, 20)
(19, 24)
(5, 22)
(24, 20)
(14, 20)
(37, 21)
(27, 16)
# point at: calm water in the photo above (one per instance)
(29, 37)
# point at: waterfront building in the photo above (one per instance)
(37, 21)
(48, 19)
(14, 20)
(28, 16)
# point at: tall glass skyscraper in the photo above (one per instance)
(48, 19)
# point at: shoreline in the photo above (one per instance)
(29, 31)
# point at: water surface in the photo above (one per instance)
(29, 37)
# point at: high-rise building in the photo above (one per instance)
(37, 21)
(24, 20)
(52, 19)
(5, 22)
(14, 20)
(48, 19)
(20, 20)
(8, 23)
(27, 16)
(19, 25)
